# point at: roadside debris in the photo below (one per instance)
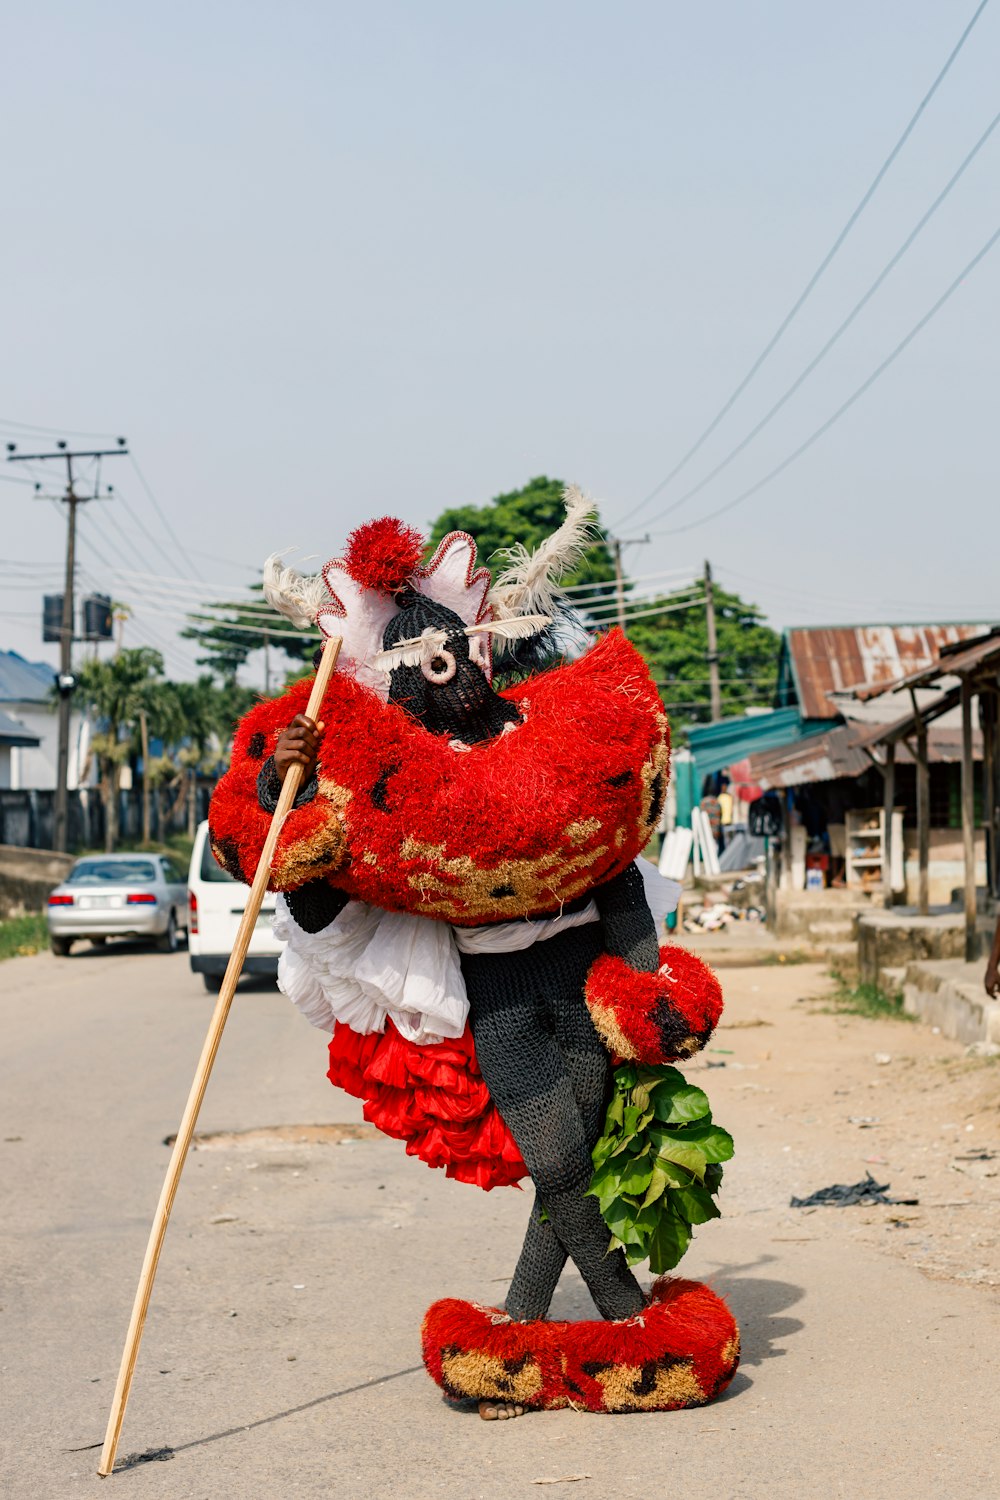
(862, 1194)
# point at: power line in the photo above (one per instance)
(838, 332)
(113, 539)
(818, 273)
(609, 583)
(663, 609)
(812, 596)
(163, 519)
(846, 406)
(644, 598)
(15, 479)
(9, 422)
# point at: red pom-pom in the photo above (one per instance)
(383, 554)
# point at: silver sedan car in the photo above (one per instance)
(119, 895)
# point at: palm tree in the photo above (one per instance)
(118, 691)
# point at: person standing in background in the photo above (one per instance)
(992, 977)
(725, 813)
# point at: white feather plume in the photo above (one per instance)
(514, 629)
(530, 581)
(410, 653)
(295, 595)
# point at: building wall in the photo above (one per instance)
(34, 769)
(946, 871)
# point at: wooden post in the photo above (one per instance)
(144, 729)
(888, 805)
(923, 820)
(185, 1132)
(715, 685)
(988, 703)
(968, 824)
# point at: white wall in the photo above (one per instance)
(34, 769)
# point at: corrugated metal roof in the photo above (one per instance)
(714, 746)
(24, 681)
(843, 752)
(815, 757)
(842, 658)
(982, 653)
(13, 733)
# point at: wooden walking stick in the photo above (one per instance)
(140, 1307)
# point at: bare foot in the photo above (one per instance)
(499, 1411)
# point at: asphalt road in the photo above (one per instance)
(281, 1356)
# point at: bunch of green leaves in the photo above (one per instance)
(657, 1167)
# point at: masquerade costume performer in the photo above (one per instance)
(465, 913)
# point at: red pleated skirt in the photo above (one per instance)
(431, 1097)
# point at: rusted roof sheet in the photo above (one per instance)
(960, 660)
(845, 658)
(816, 757)
(847, 752)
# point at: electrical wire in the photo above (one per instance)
(663, 609)
(856, 395)
(811, 596)
(16, 479)
(630, 601)
(9, 422)
(159, 510)
(817, 275)
(838, 332)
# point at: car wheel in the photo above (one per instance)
(212, 983)
(60, 946)
(168, 942)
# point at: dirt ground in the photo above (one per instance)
(281, 1354)
(841, 1094)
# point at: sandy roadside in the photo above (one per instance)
(815, 1095)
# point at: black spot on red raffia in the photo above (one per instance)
(656, 799)
(378, 791)
(227, 854)
(257, 746)
(622, 779)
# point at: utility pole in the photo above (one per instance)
(616, 545)
(122, 612)
(65, 680)
(619, 588)
(715, 687)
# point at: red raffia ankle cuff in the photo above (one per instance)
(681, 1350)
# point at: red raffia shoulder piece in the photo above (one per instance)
(433, 1098)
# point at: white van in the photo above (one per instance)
(216, 903)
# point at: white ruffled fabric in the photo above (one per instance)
(369, 965)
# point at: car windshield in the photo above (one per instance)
(210, 867)
(113, 872)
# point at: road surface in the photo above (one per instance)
(281, 1356)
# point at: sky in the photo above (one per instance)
(319, 262)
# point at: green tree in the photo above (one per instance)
(197, 732)
(675, 645)
(236, 631)
(118, 690)
(527, 515)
